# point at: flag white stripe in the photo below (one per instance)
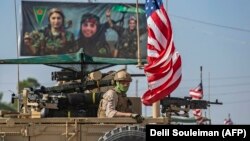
(152, 53)
(158, 34)
(162, 17)
(154, 43)
(159, 82)
(195, 94)
(167, 56)
(162, 74)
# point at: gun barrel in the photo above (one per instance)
(78, 86)
(218, 103)
(193, 104)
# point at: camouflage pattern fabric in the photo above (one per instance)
(44, 43)
(113, 102)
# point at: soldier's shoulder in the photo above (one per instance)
(110, 94)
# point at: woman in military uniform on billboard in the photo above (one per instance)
(127, 42)
(92, 38)
(54, 39)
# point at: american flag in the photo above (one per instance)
(197, 94)
(228, 121)
(163, 70)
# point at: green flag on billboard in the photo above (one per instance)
(39, 14)
(128, 9)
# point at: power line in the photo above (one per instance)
(212, 24)
(232, 77)
(237, 102)
(221, 78)
(230, 85)
(230, 93)
(218, 86)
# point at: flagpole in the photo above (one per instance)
(201, 73)
(209, 109)
(156, 105)
(17, 50)
(139, 65)
(156, 109)
(201, 82)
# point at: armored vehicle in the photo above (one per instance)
(68, 110)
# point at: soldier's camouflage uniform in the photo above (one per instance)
(113, 102)
(45, 43)
(127, 43)
(60, 44)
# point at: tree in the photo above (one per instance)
(26, 83)
(5, 106)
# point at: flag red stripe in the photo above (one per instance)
(149, 97)
(197, 94)
(163, 70)
(152, 68)
(163, 90)
(174, 68)
(161, 26)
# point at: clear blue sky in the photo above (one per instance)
(209, 33)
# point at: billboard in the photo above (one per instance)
(99, 29)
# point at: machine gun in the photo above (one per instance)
(75, 86)
(76, 94)
(71, 98)
(176, 104)
(61, 104)
(66, 75)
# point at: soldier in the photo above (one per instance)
(127, 42)
(92, 36)
(58, 40)
(54, 39)
(28, 44)
(115, 102)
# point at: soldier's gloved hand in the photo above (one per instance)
(137, 117)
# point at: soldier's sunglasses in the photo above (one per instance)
(125, 82)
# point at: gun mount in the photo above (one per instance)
(72, 98)
(175, 105)
(69, 109)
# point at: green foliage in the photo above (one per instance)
(26, 83)
(1, 96)
(4, 105)
(29, 82)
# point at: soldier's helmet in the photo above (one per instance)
(122, 75)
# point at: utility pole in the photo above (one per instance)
(136, 88)
(139, 64)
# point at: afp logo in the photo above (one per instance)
(234, 133)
